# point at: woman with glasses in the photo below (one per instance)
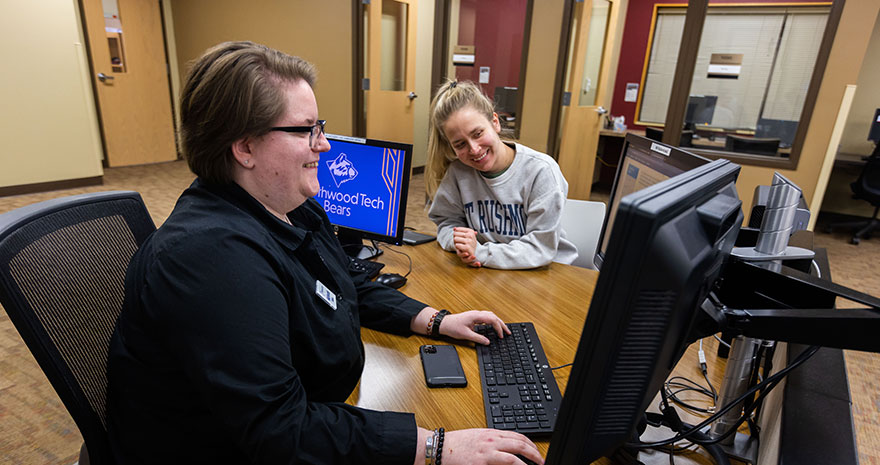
(496, 204)
(239, 338)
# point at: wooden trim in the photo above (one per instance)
(523, 67)
(358, 119)
(741, 158)
(441, 45)
(51, 186)
(636, 119)
(559, 80)
(815, 82)
(684, 70)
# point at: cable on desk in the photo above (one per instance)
(376, 244)
(721, 341)
(765, 387)
(562, 366)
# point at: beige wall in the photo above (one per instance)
(47, 117)
(318, 31)
(866, 101)
(850, 44)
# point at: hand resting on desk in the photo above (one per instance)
(482, 446)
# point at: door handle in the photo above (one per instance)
(600, 110)
(104, 78)
(412, 96)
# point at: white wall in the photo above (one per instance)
(48, 121)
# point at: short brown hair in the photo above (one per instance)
(233, 91)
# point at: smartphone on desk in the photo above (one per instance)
(442, 366)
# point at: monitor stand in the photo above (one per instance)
(353, 245)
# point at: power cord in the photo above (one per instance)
(376, 245)
(682, 384)
(562, 366)
(765, 387)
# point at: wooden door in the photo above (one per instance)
(586, 82)
(390, 64)
(128, 60)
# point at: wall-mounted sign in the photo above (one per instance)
(463, 55)
(725, 65)
(632, 92)
(484, 74)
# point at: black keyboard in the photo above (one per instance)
(519, 390)
(369, 267)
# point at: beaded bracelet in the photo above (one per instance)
(439, 447)
(431, 323)
(436, 319)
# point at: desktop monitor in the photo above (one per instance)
(777, 129)
(363, 189)
(505, 100)
(643, 163)
(700, 110)
(670, 243)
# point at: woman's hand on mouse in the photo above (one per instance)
(461, 325)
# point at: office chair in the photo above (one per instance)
(687, 136)
(753, 145)
(582, 222)
(866, 187)
(62, 270)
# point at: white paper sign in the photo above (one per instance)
(484, 74)
(632, 92)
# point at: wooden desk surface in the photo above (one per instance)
(555, 298)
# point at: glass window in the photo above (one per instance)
(753, 70)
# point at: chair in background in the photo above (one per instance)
(866, 187)
(62, 272)
(582, 222)
(687, 136)
(753, 145)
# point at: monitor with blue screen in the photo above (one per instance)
(363, 189)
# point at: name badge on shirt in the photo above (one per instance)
(325, 294)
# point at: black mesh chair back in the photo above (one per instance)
(62, 271)
(867, 186)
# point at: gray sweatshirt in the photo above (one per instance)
(516, 215)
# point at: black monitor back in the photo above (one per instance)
(700, 109)
(505, 100)
(783, 130)
(670, 243)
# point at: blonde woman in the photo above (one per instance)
(496, 204)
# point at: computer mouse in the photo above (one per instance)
(391, 280)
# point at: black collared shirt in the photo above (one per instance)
(225, 353)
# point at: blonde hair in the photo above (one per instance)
(451, 97)
(232, 91)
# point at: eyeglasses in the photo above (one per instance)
(314, 131)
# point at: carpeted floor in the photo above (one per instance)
(36, 429)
